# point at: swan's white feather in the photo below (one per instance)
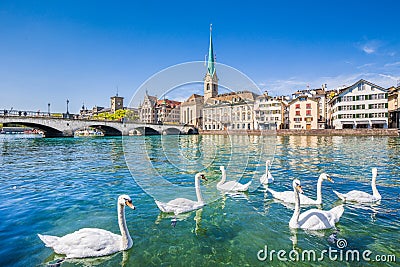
(84, 243)
(179, 205)
(357, 196)
(183, 205)
(267, 178)
(93, 242)
(288, 197)
(313, 219)
(316, 219)
(360, 196)
(234, 186)
(231, 186)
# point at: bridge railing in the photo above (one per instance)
(38, 114)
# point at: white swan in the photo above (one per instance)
(182, 205)
(267, 176)
(313, 219)
(289, 196)
(93, 242)
(360, 196)
(231, 186)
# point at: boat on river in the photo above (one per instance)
(89, 132)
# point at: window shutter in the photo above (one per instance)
(386, 105)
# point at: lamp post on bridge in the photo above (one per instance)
(67, 108)
(48, 108)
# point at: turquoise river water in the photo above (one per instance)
(56, 186)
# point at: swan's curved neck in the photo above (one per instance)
(266, 167)
(223, 179)
(295, 217)
(375, 192)
(198, 192)
(319, 191)
(126, 238)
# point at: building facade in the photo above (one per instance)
(147, 109)
(394, 107)
(230, 111)
(270, 113)
(361, 105)
(168, 111)
(192, 111)
(303, 113)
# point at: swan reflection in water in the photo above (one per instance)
(56, 260)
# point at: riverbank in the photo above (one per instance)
(325, 132)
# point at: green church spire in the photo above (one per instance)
(211, 60)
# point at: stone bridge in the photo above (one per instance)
(64, 127)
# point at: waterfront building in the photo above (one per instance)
(270, 113)
(168, 111)
(361, 105)
(147, 109)
(192, 111)
(319, 94)
(394, 107)
(304, 112)
(233, 111)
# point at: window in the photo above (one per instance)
(308, 112)
(308, 106)
(297, 106)
(297, 119)
(298, 112)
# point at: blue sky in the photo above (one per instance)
(51, 51)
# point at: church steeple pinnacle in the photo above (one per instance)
(211, 79)
(211, 59)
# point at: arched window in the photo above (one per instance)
(208, 86)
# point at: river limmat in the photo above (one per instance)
(59, 185)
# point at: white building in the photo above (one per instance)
(232, 111)
(361, 105)
(270, 112)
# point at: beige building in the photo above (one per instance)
(361, 105)
(270, 113)
(233, 111)
(192, 111)
(147, 109)
(303, 113)
(394, 107)
(168, 111)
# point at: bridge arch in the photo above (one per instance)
(171, 131)
(48, 131)
(107, 130)
(143, 130)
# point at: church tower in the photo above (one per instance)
(211, 79)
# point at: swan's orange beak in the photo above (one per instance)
(330, 179)
(299, 189)
(129, 204)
